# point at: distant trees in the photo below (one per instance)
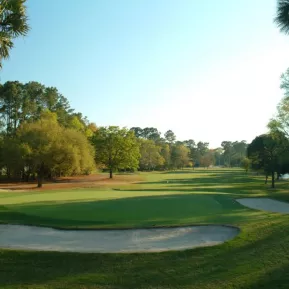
(207, 159)
(116, 148)
(25, 102)
(234, 152)
(179, 156)
(150, 155)
(13, 23)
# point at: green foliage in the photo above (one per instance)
(13, 23)
(207, 159)
(45, 148)
(26, 102)
(138, 132)
(179, 156)
(150, 155)
(151, 133)
(282, 16)
(246, 162)
(116, 148)
(265, 153)
(234, 152)
(170, 137)
(166, 154)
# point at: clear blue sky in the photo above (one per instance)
(208, 70)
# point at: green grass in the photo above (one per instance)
(257, 258)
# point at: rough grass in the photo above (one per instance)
(257, 258)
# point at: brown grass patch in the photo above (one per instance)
(91, 181)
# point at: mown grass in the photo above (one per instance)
(257, 258)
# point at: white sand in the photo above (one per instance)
(113, 241)
(265, 204)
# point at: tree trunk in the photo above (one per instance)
(266, 179)
(273, 180)
(110, 173)
(40, 175)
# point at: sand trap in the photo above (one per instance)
(113, 241)
(265, 204)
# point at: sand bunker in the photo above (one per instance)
(113, 241)
(265, 204)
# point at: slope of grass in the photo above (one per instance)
(257, 258)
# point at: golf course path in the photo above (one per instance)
(265, 204)
(113, 241)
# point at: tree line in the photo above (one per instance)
(42, 137)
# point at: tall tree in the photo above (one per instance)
(180, 156)
(281, 121)
(150, 155)
(282, 16)
(138, 132)
(11, 98)
(166, 154)
(116, 148)
(151, 133)
(13, 23)
(228, 152)
(265, 152)
(170, 137)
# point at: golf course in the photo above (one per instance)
(255, 256)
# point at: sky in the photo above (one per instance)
(208, 70)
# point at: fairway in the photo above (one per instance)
(161, 199)
(168, 202)
(132, 211)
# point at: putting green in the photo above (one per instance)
(129, 211)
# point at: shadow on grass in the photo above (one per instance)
(132, 212)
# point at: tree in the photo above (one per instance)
(47, 148)
(166, 154)
(13, 23)
(265, 152)
(228, 152)
(219, 157)
(207, 159)
(150, 155)
(116, 148)
(281, 121)
(246, 164)
(138, 132)
(282, 16)
(180, 156)
(239, 152)
(170, 137)
(151, 133)
(11, 96)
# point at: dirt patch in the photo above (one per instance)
(265, 204)
(91, 181)
(114, 241)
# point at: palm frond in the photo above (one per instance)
(282, 16)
